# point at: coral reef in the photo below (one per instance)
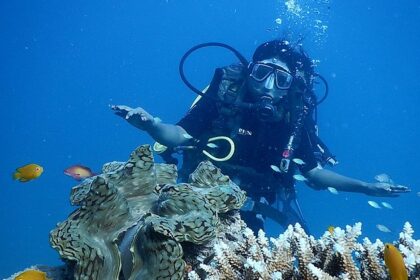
(134, 221)
(295, 255)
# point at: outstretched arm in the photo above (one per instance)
(319, 178)
(169, 135)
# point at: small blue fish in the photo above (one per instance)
(382, 228)
(374, 204)
(298, 161)
(332, 190)
(299, 177)
(275, 168)
(212, 145)
(387, 205)
(187, 136)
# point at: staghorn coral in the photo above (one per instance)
(135, 222)
(370, 263)
(410, 248)
(295, 255)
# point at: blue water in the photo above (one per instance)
(62, 63)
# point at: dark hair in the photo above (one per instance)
(294, 57)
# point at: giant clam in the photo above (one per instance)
(133, 220)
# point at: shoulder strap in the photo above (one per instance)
(231, 84)
(230, 90)
(319, 148)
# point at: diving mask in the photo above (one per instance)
(263, 71)
(269, 81)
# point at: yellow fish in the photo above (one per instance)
(395, 263)
(32, 274)
(28, 172)
(331, 229)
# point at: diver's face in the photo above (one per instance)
(270, 78)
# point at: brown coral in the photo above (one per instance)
(330, 257)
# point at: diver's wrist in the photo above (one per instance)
(367, 188)
(152, 124)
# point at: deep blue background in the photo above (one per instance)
(62, 64)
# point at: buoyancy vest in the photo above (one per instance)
(229, 87)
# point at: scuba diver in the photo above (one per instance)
(257, 122)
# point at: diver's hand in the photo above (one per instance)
(137, 117)
(385, 189)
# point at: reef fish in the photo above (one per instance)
(28, 172)
(32, 274)
(387, 205)
(299, 177)
(395, 263)
(212, 145)
(383, 228)
(187, 136)
(275, 168)
(79, 172)
(332, 190)
(374, 204)
(298, 161)
(331, 229)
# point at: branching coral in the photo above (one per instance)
(295, 255)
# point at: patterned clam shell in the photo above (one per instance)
(133, 218)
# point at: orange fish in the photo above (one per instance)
(395, 263)
(32, 274)
(28, 172)
(79, 172)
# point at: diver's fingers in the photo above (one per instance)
(120, 110)
(400, 189)
(393, 188)
(129, 114)
(144, 117)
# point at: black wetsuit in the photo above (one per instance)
(258, 146)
